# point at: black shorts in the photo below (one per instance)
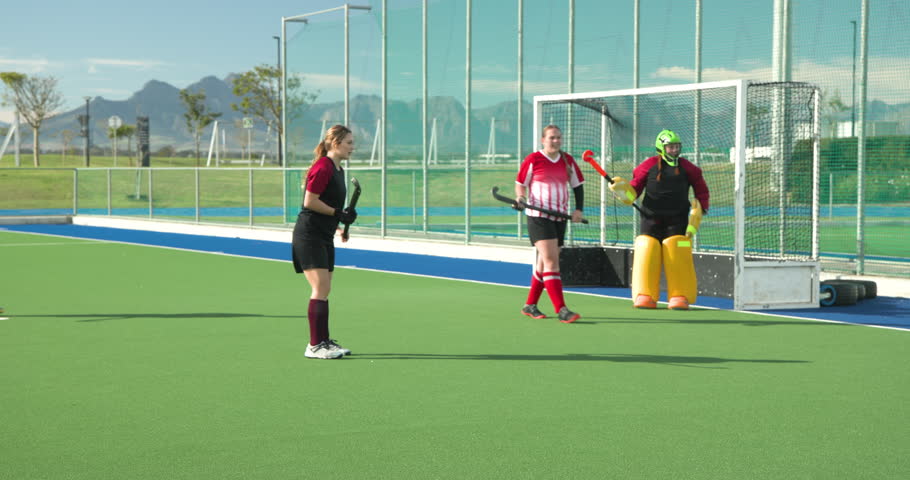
(309, 253)
(540, 228)
(663, 227)
(310, 248)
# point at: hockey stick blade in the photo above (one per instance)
(354, 197)
(511, 201)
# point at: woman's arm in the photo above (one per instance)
(311, 201)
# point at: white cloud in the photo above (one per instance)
(32, 65)
(6, 116)
(886, 77)
(95, 63)
(322, 81)
(711, 74)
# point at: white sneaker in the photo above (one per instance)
(334, 346)
(322, 350)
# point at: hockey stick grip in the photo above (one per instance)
(354, 197)
(511, 201)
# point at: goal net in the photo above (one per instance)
(756, 144)
(241, 141)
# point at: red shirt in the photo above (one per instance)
(327, 181)
(546, 180)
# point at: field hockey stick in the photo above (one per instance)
(588, 156)
(553, 213)
(354, 197)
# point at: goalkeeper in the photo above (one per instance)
(666, 235)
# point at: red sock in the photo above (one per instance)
(536, 288)
(553, 282)
(318, 316)
(324, 324)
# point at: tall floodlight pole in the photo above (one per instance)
(88, 134)
(853, 86)
(278, 130)
(861, 142)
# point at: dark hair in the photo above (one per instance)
(333, 137)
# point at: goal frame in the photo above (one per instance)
(758, 284)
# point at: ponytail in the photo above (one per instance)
(333, 137)
(320, 151)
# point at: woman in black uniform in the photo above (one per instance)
(314, 233)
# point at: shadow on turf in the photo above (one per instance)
(597, 357)
(103, 317)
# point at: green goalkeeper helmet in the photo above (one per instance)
(663, 138)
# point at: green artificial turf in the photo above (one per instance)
(122, 361)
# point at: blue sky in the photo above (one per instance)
(111, 49)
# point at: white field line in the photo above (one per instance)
(52, 244)
(354, 267)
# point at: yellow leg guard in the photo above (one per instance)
(646, 271)
(680, 271)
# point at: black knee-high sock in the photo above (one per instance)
(318, 316)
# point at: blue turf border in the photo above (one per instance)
(881, 311)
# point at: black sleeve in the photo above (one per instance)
(579, 197)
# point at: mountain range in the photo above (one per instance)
(160, 102)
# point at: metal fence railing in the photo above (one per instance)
(269, 197)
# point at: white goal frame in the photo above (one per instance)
(757, 284)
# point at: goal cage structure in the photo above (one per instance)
(757, 144)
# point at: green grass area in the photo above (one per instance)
(123, 361)
(51, 187)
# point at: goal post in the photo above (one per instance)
(757, 145)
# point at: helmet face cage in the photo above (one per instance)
(663, 138)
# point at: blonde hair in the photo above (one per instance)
(333, 137)
(549, 127)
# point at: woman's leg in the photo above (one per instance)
(320, 280)
(548, 260)
(548, 263)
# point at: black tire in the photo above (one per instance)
(845, 293)
(860, 288)
(871, 288)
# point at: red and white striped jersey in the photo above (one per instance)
(546, 179)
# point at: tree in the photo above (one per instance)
(197, 115)
(259, 94)
(166, 151)
(66, 137)
(35, 98)
(832, 107)
(123, 131)
(127, 132)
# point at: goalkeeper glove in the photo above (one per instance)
(623, 191)
(695, 215)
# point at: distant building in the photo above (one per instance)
(873, 129)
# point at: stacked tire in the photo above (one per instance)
(846, 292)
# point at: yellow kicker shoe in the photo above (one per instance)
(678, 303)
(644, 301)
